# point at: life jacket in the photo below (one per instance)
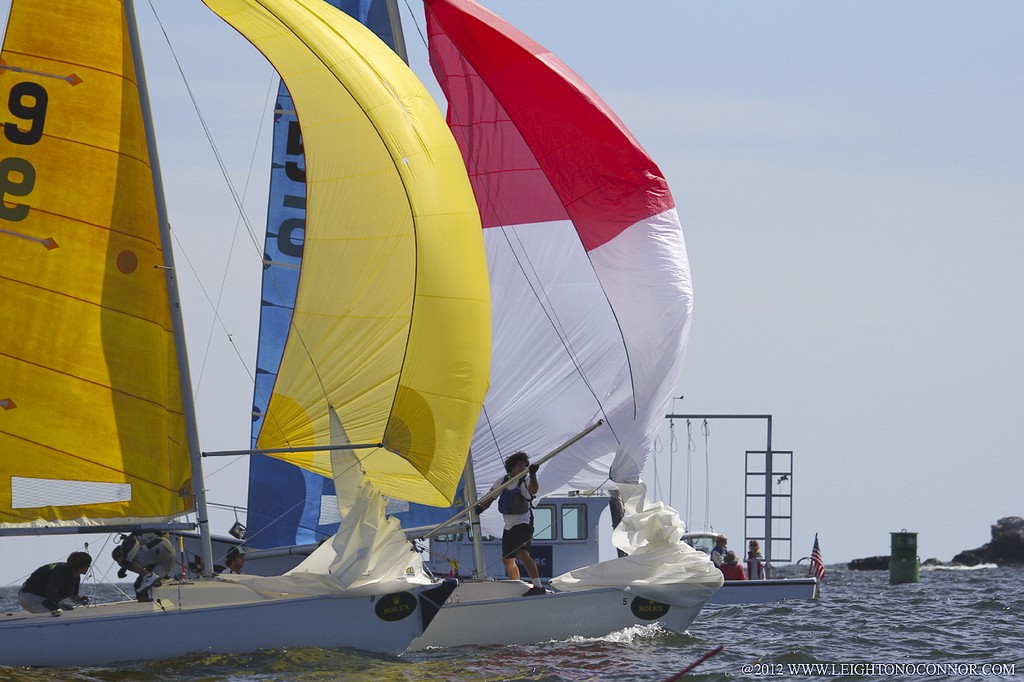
(137, 541)
(511, 500)
(755, 567)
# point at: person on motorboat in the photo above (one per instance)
(731, 568)
(718, 551)
(755, 561)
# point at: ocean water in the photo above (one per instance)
(958, 624)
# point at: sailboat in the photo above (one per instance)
(591, 300)
(591, 305)
(603, 339)
(381, 379)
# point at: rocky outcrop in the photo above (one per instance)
(871, 563)
(1005, 549)
(881, 563)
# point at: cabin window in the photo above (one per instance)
(574, 522)
(701, 543)
(544, 522)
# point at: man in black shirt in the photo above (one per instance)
(51, 584)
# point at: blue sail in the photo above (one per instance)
(289, 505)
(284, 500)
(372, 14)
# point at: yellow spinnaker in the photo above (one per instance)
(91, 418)
(392, 318)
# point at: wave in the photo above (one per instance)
(979, 567)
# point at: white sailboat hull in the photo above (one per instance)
(210, 617)
(496, 612)
(765, 591)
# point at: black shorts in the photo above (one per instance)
(516, 538)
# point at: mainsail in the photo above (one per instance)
(389, 340)
(588, 268)
(92, 425)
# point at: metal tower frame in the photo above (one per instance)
(771, 469)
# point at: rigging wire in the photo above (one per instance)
(209, 135)
(659, 449)
(672, 450)
(242, 218)
(690, 449)
(706, 431)
(231, 250)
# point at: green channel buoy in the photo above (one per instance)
(904, 563)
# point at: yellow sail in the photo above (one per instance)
(392, 318)
(91, 420)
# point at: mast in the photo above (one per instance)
(479, 565)
(471, 498)
(396, 30)
(191, 428)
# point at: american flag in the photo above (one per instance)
(817, 565)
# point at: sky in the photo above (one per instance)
(850, 181)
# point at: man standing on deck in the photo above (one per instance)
(514, 505)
